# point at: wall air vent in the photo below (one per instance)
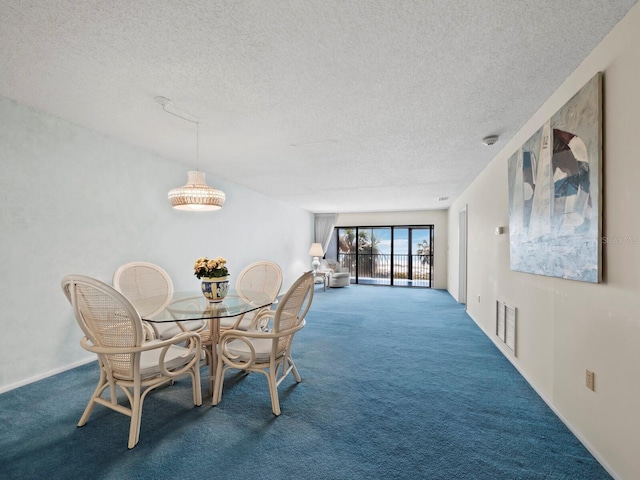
(506, 324)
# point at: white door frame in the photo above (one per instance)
(462, 265)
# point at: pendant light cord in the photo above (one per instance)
(166, 102)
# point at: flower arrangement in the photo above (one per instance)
(205, 267)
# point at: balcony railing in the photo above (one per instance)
(381, 267)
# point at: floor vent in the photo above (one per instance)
(506, 324)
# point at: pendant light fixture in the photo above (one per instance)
(196, 195)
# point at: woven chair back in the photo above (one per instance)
(107, 319)
(260, 277)
(145, 285)
(293, 307)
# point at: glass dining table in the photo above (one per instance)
(194, 308)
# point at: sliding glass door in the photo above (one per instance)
(374, 259)
(421, 256)
(395, 255)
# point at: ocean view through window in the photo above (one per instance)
(388, 255)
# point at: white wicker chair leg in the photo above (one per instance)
(136, 416)
(218, 384)
(273, 390)
(195, 385)
(102, 382)
(296, 375)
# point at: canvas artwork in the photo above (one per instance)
(555, 193)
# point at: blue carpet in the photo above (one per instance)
(397, 384)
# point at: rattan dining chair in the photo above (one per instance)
(260, 278)
(114, 332)
(149, 288)
(267, 352)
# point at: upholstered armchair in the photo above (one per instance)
(338, 276)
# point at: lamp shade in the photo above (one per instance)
(196, 195)
(316, 250)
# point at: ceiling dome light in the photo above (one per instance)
(196, 195)
(490, 140)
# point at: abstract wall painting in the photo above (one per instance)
(555, 193)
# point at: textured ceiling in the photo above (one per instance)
(330, 105)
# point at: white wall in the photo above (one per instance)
(566, 327)
(74, 201)
(437, 218)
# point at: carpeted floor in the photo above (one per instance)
(397, 383)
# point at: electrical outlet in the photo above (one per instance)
(591, 380)
(478, 298)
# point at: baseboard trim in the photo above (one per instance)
(592, 450)
(50, 373)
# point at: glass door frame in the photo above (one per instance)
(408, 267)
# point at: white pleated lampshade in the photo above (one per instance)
(196, 195)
